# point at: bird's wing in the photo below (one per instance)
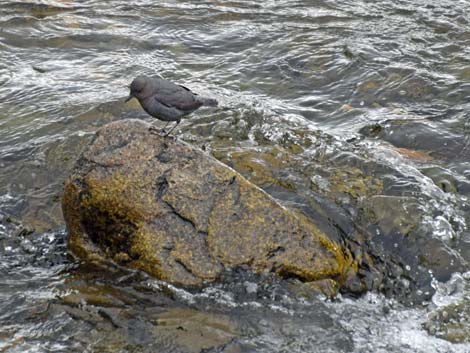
(177, 97)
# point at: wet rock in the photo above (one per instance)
(414, 155)
(450, 322)
(418, 135)
(195, 331)
(448, 316)
(400, 214)
(366, 205)
(259, 167)
(413, 237)
(169, 209)
(438, 257)
(352, 182)
(310, 290)
(442, 178)
(170, 330)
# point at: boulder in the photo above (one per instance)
(167, 208)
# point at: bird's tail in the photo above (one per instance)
(209, 102)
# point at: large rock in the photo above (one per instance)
(167, 208)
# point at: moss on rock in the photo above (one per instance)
(162, 206)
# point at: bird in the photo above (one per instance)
(166, 100)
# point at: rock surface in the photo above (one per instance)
(167, 208)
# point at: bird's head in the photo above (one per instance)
(139, 88)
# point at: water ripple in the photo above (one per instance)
(389, 78)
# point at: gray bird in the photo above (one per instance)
(165, 100)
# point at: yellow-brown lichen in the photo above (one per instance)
(353, 182)
(186, 220)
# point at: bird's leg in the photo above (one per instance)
(177, 122)
(163, 130)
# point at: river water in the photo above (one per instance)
(369, 101)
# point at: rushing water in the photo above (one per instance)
(382, 89)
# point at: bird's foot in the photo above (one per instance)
(156, 131)
(161, 133)
(170, 137)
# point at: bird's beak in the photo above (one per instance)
(129, 98)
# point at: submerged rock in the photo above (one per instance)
(162, 206)
(450, 322)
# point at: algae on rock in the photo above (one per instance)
(162, 206)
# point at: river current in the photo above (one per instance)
(370, 99)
